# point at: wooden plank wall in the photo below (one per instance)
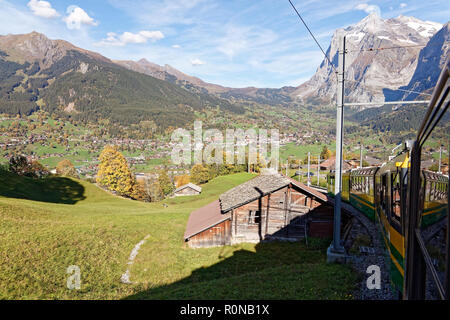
(217, 235)
(283, 215)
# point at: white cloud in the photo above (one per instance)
(403, 5)
(77, 17)
(369, 8)
(127, 37)
(237, 40)
(197, 62)
(42, 9)
(176, 46)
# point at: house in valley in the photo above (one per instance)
(330, 164)
(269, 206)
(189, 189)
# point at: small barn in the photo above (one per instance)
(189, 189)
(270, 206)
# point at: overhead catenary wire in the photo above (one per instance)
(387, 48)
(312, 35)
(398, 89)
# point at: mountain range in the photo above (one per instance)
(381, 55)
(36, 72)
(384, 59)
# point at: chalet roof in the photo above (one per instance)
(204, 218)
(251, 190)
(189, 185)
(330, 164)
(261, 185)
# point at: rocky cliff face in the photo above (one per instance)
(369, 71)
(429, 66)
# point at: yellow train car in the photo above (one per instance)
(390, 203)
(362, 190)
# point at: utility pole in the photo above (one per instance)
(360, 155)
(336, 251)
(287, 163)
(309, 182)
(318, 171)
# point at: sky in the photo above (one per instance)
(234, 43)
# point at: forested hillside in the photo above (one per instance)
(83, 87)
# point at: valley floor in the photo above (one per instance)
(75, 223)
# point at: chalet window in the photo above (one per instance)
(254, 216)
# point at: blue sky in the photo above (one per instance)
(234, 43)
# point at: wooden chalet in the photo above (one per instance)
(330, 164)
(270, 206)
(189, 189)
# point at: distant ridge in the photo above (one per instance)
(54, 75)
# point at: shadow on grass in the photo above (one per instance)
(52, 189)
(277, 270)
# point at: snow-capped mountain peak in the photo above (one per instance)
(369, 71)
(424, 28)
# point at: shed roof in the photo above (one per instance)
(252, 189)
(204, 218)
(261, 185)
(189, 185)
(330, 163)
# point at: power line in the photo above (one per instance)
(312, 35)
(409, 91)
(387, 48)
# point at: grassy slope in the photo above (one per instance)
(97, 232)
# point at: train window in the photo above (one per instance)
(395, 185)
(427, 191)
(432, 190)
(371, 186)
(367, 185)
(383, 194)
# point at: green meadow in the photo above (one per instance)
(48, 225)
